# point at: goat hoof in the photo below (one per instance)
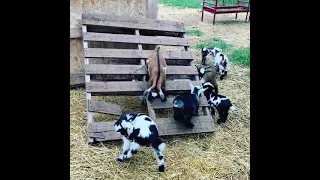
(161, 168)
(219, 121)
(164, 99)
(120, 160)
(190, 125)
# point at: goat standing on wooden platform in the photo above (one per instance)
(156, 75)
(186, 106)
(139, 130)
(221, 61)
(208, 73)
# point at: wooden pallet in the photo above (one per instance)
(126, 76)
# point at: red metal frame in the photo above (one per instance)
(215, 9)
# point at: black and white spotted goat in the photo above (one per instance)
(221, 61)
(139, 130)
(217, 101)
(187, 105)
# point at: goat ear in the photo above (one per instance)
(202, 90)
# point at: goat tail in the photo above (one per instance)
(157, 48)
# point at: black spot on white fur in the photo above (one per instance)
(133, 139)
(222, 107)
(147, 119)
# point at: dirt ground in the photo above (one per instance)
(224, 154)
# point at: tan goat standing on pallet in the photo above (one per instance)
(156, 67)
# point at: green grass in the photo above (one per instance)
(214, 42)
(194, 32)
(193, 3)
(241, 56)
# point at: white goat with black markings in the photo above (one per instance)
(187, 105)
(139, 130)
(156, 75)
(221, 61)
(217, 101)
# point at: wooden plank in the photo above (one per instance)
(152, 8)
(87, 80)
(132, 22)
(136, 69)
(137, 54)
(75, 33)
(123, 87)
(77, 80)
(106, 108)
(167, 126)
(158, 104)
(124, 38)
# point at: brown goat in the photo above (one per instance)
(208, 73)
(156, 75)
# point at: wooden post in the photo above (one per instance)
(87, 80)
(152, 9)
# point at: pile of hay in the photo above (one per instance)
(224, 154)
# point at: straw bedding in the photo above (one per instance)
(224, 154)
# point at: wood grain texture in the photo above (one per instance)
(130, 53)
(104, 131)
(132, 22)
(105, 108)
(136, 69)
(158, 104)
(121, 87)
(124, 38)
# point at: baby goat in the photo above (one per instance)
(221, 61)
(156, 75)
(219, 102)
(187, 105)
(208, 74)
(209, 51)
(139, 130)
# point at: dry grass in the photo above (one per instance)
(224, 154)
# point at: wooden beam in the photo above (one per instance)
(124, 38)
(152, 9)
(132, 22)
(75, 33)
(158, 104)
(105, 108)
(167, 126)
(77, 80)
(87, 80)
(129, 87)
(137, 54)
(136, 69)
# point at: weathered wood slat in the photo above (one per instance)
(106, 108)
(158, 104)
(124, 38)
(77, 80)
(167, 126)
(122, 87)
(132, 22)
(129, 53)
(136, 69)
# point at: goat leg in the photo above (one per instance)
(158, 147)
(125, 148)
(187, 120)
(133, 149)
